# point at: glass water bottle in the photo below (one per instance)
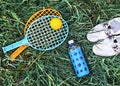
(77, 59)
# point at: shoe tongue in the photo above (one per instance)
(115, 25)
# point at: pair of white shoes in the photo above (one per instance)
(107, 36)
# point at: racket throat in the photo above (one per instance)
(15, 45)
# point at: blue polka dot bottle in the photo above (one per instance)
(77, 59)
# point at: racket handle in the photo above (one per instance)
(15, 45)
(18, 51)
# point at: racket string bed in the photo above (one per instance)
(46, 37)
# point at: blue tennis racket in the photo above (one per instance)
(41, 36)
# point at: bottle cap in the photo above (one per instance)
(70, 41)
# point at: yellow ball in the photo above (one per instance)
(56, 23)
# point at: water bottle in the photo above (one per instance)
(77, 59)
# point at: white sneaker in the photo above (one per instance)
(108, 47)
(104, 30)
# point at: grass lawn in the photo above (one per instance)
(54, 68)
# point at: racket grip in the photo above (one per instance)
(18, 51)
(15, 45)
(79, 63)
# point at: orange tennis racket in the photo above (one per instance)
(36, 15)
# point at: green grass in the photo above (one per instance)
(53, 68)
